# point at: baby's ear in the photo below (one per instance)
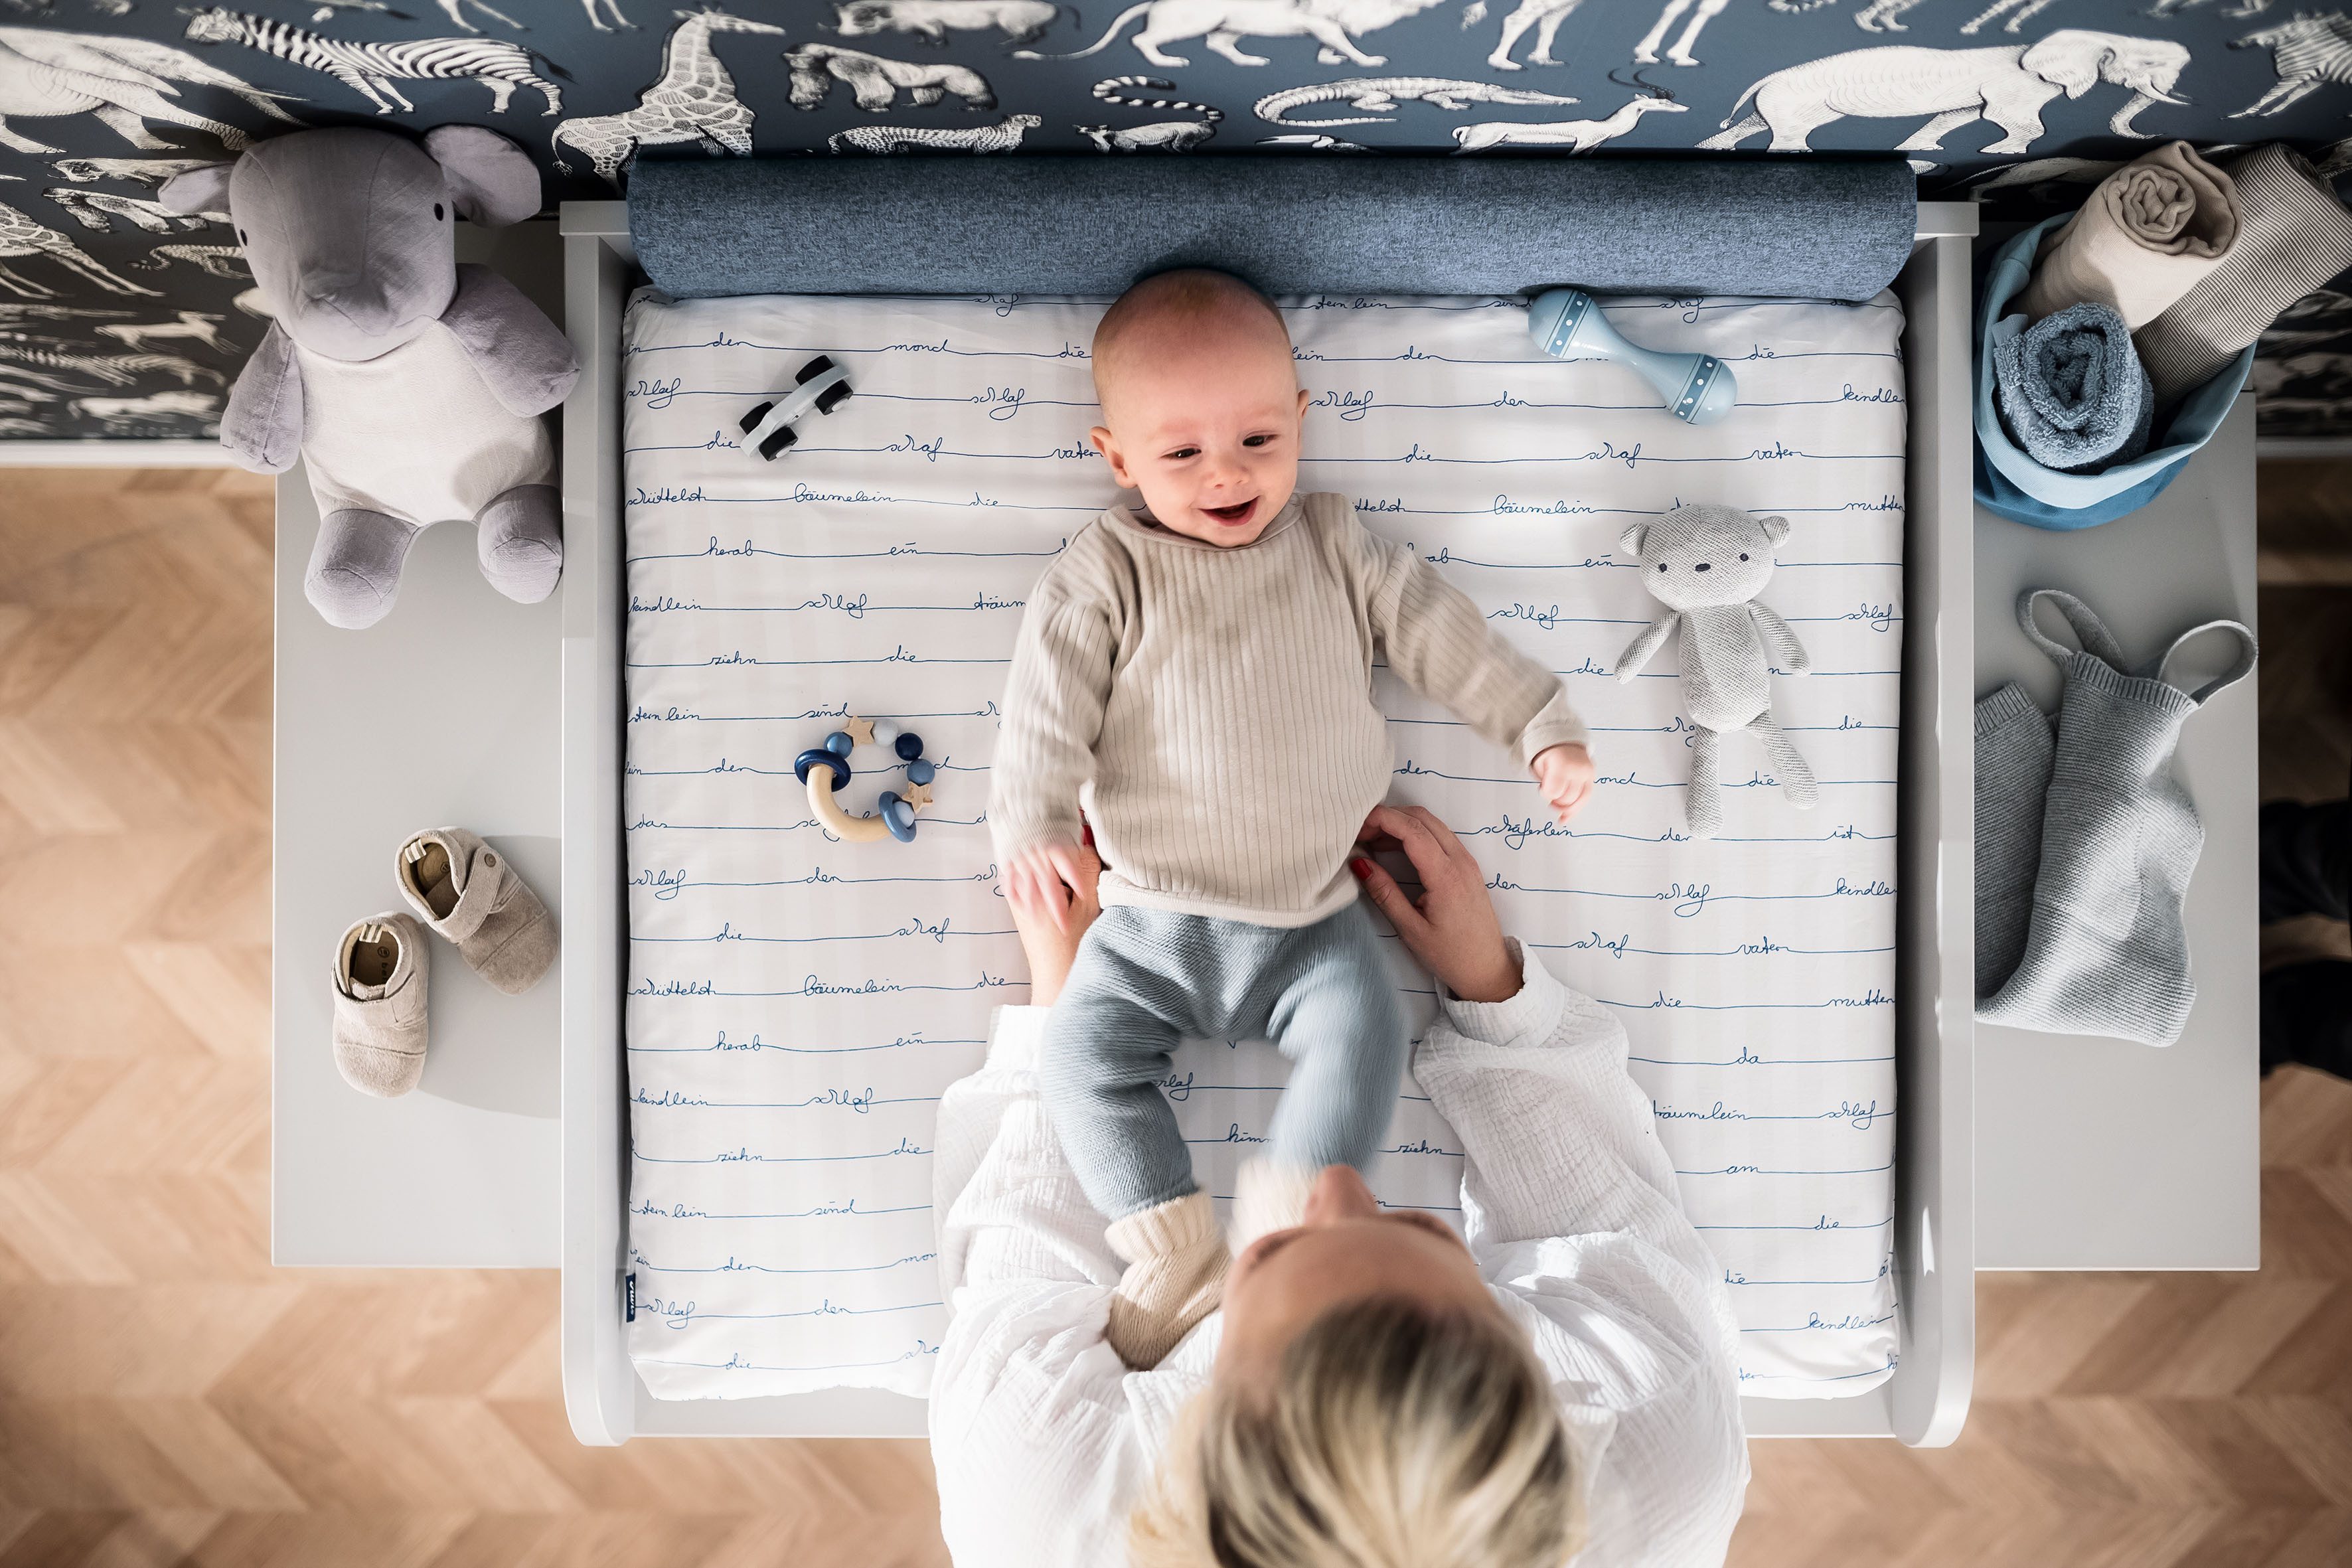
(1776, 529)
(1629, 543)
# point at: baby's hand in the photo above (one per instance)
(1035, 878)
(1564, 774)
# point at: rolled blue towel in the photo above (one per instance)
(2072, 391)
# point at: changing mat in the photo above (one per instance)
(796, 1005)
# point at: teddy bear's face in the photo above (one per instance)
(1699, 555)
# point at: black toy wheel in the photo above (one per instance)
(815, 368)
(783, 436)
(750, 421)
(833, 397)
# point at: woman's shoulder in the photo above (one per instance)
(1654, 1406)
(1041, 1438)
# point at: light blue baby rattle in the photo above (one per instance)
(1566, 323)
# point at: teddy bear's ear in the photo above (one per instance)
(492, 181)
(1776, 529)
(204, 190)
(1629, 543)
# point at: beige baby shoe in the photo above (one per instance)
(466, 892)
(381, 970)
(1176, 1261)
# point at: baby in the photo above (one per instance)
(1205, 661)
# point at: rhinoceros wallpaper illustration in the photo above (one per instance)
(122, 317)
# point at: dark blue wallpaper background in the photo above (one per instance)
(117, 319)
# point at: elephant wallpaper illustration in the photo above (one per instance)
(120, 318)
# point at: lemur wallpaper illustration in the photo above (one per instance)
(120, 318)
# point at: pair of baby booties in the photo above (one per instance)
(462, 890)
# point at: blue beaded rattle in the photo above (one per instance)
(1699, 389)
(895, 817)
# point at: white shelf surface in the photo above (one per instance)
(2102, 1153)
(444, 712)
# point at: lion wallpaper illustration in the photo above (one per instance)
(122, 317)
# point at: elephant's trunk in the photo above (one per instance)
(2142, 99)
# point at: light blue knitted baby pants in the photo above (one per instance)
(1147, 979)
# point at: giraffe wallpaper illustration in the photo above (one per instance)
(122, 317)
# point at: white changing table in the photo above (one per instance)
(2158, 1171)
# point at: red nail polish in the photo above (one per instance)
(1361, 866)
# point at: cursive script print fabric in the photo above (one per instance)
(796, 1005)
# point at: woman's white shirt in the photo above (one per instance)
(1044, 1441)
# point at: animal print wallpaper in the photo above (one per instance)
(120, 317)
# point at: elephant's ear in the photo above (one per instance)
(1630, 542)
(202, 190)
(1776, 529)
(2072, 60)
(491, 181)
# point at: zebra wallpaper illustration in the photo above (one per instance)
(120, 318)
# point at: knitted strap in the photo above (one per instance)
(2239, 671)
(2098, 641)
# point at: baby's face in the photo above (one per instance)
(1204, 421)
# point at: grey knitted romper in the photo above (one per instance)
(2084, 844)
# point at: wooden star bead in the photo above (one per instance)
(916, 795)
(860, 731)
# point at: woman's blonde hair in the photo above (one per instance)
(1392, 1437)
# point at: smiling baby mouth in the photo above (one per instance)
(1233, 514)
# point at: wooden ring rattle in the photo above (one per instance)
(824, 769)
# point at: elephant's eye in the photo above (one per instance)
(1743, 555)
(1662, 565)
(436, 212)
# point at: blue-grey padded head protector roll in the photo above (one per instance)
(1829, 229)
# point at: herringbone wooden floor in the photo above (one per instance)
(165, 1396)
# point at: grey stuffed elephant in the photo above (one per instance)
(412, 388)
(1707, 564)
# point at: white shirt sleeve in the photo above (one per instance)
(1570, 1204)
(1042, 1439)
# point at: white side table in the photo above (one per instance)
(2097, 1153)
(446, 711)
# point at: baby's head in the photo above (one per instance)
(1201, 404)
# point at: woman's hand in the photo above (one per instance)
(1052, 914)
(1451, 927)
(1038, 875)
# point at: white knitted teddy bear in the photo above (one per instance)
(1707, 564)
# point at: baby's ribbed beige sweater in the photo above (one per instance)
(1220, 702)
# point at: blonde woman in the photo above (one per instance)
(1374, 1393)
